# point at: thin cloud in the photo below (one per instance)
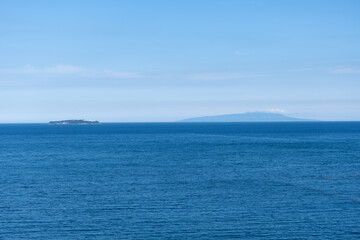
(240, 53)
(346, 70)
(70, 70)
(276, 110)
(54, 69)
(64, 69)
(300, 70)
(123, 75)
(220, 76)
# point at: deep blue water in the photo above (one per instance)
(180, 181)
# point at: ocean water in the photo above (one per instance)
(180, 181)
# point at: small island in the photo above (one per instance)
(247, 117)
(73, 122)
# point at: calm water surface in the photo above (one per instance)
(180, 181)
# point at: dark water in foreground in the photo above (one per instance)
(180, 181)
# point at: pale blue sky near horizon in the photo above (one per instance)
(141, 61)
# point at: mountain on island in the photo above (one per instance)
(77, 122)
(247, 117)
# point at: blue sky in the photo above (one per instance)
(120, 61)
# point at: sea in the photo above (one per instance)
(294, 180)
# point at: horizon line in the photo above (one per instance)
(180, 121)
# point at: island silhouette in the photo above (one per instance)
(247, 117)
(73, 121)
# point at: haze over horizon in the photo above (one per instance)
(143, 61)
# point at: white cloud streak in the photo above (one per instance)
(54, 69)
(64, 69)
(300, 70)
(220, 76)
(346, 70)
(126, 75)
(276, 110)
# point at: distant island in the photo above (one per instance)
(247, 117)
(76, 122)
